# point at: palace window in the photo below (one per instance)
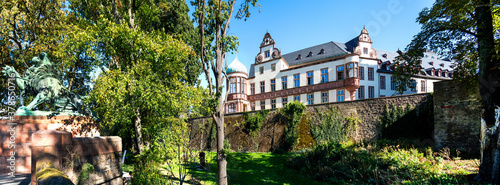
(262, 104)
(423, 88)
(352, 69)
(340, 72)
(382, 82)
(362, 73)
(262, 87)
(393, 84)
(243, 85)
(296, 80)
(324, 75)
(273, 104)
(284, 101)
(371, 92)
(340, 95)
(361, 92)
(252, 89)
(231, 108)
(261, 70)
(443, 74)
(310, 99)
(370, 73)
(273, 85)
(267, 54)
(324, 97)
(252, 105)
(296, 98)
(273, 67)
(232, 86)
(310, 78)
(284, 83)
(413, 86)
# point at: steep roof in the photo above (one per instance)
(236, 66)
(330, 49)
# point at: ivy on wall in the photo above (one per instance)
(292, 113)
(331, 126)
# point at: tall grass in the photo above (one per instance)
(382, 162)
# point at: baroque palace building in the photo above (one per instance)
(325, 73)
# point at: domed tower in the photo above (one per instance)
(236, 87)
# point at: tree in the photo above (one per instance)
(28, 28)
(213, 18)
(466, 32)
(126, 37)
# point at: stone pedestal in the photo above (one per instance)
(15, 137)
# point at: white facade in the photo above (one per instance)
(325, 73)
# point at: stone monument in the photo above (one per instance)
(66, 111)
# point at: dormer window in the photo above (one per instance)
(432, 57)
(298, 57)
(431, 63)
(384, 55)
(442, 65)
(310, 54)
(321, 52)
(452, 66)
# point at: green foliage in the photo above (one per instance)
(392, 115)
(87, 169)
(253, 123)
(147, 168)
(332, 126)
(449, 28)
(292, 112)
(227, 146)
(213, 132)
(374, 163)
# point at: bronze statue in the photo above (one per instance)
(44, 81)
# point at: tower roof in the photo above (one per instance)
(236, 66)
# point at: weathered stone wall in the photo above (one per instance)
(271, 135)
(71, 154)
(457, 111)
(15, 136)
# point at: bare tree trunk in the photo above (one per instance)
(219, 114)
(489, 81)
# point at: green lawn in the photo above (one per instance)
(253, 168)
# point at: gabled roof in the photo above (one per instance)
(330, 49)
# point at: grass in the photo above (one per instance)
(253, 168)
(383, 163)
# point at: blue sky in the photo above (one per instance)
(295, 24)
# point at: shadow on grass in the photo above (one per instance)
(253, 168)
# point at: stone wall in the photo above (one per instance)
(15, 136)
(271, 135)
(457, 116)
(72, 154)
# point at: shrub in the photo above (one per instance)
(331, 126)
(292, 112)
(253, 123)
(146, 168)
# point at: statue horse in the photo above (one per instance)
(44, 81)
